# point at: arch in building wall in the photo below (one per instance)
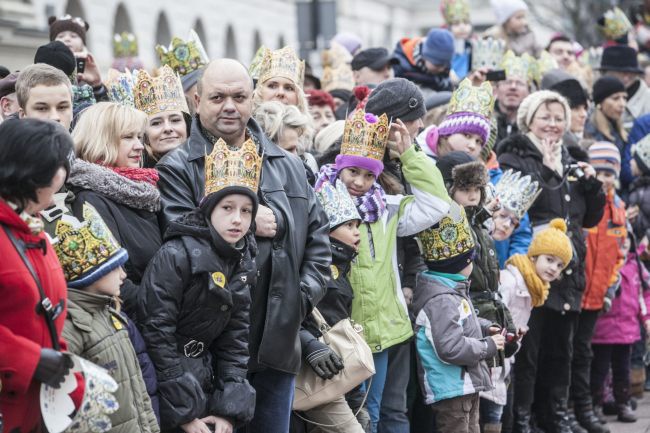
(200, 30)
(74, 8)
(281, 42)
(257, 41)
(163, 32)
(231, 43)
(122, 21)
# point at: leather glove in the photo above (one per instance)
(323, 360)
(52, 367)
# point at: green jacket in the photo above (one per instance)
(378, 303)
(98, 333)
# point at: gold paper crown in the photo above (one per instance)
(335, 56)
(125, 44)
(365, 135)
(119, 87)
(164, 92)
(615, 24)
(451, 237)
(340, 77)
(455, 11)
(225, 167)
(519, 67)
(183, 56)
(544, 64)
(82, 247)
(472, 99)
(282, 63)
(487, 53)
(256, 63)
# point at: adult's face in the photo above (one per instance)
(323, 116)
(129, 152)
(549, 122)
(510, 93)
(578, 119)
(613, 106)
(166, 131)
(45, 195)
(289, 140)
(563, 53)
(49, 103)
(367, 76)
(281, 90)
(414, 127)
(225, 102)
(627, 78)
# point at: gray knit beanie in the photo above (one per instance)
(398, 98)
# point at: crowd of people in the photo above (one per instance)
(450, 236)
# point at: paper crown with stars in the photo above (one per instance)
(183, 56)
(163, 92)
(517, 192)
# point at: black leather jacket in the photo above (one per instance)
(293, 267)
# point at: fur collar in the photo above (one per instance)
(104, 181)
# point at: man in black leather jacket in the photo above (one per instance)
(291, 232)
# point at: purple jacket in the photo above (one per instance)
(621, 324)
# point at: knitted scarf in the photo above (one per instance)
(371, 205)
(148, 175)
(537, 288)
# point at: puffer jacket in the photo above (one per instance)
(640, 196)
(411, 66)
(450, 339)
(194, 314)
(579, 201)
(97, 332)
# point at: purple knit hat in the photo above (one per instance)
(370, 164)
(465, 123)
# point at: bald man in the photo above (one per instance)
(292, 235)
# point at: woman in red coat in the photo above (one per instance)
(34, 163)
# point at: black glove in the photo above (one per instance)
(323, 360)
(52, 367)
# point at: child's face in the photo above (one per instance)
(71, 40)
(109, 284)
(626, 247)
(607, 178)
(348, 233)
(232, 217)
(517, 23)
(357, 180)
(470, 196)
(468, 143)
(635, 168)
(461, 30)
(548, 267)
(505, 223)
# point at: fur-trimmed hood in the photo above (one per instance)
(104, 181)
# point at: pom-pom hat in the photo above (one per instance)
(552, 241)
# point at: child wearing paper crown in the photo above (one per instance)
(378, 303)
(451, 340)
(94, 328)
(456, 15)
(195, 300)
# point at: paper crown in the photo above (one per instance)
(544, 64)
(450, 238)
(86, 250)
(516, 192)
(283, 63)
(337, 72)
(183, 56)
(455, 11)
(82, 403)
(125, 44)
(163, 92)
(518, 66)
(337, 203)
(256, 63)
(487, 53)
(119, 87)
(225, 167)
(472, 99)
(591, 58)
(365, 135)
(614, 24)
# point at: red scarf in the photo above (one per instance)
(148, 175)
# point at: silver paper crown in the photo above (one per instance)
(642, 149)
(337, 203)
(517, 193)
(487, 53)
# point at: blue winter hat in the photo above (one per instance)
(438, 47)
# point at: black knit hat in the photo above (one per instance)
(573, 91)
(68, 23)
(56, 54)
(447, 163)
(398, 98)
(209, 202)
(605, 87)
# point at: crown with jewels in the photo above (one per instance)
(337, 72)
(487, 53)
(225, 167)
(451, 237)
(472, 99)
(163, 92)
(615, 24)
(119, 87)
(518, 66)
(455, 11)
(183, 56)
(365, 135)
(125, 44)
(86, 250)
(516, 192)
(283, 63)
(337, 203)
(544, 64)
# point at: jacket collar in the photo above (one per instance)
(342, 255)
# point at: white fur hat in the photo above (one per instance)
(504, 9)
(533, 101)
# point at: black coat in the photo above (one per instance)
(580, 202)
(194, 314)
(292, 268)
(640, 196)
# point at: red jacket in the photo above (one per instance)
(23, 332)
(604, 252)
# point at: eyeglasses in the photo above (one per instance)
(506, 219)
(548, 120)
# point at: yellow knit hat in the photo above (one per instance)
(552, 241)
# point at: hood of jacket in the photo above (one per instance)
(104, 181)
(430, 284)
(342, 255)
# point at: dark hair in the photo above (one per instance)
(558, 38)
(31, 152)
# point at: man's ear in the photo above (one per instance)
(197, 100)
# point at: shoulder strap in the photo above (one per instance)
(45, 307)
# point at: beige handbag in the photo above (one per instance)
(346, 339)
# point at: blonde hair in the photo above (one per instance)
(39, 74)
(302, 104)
(99, 130)
(274, 117)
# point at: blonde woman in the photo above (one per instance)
(107, 174)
